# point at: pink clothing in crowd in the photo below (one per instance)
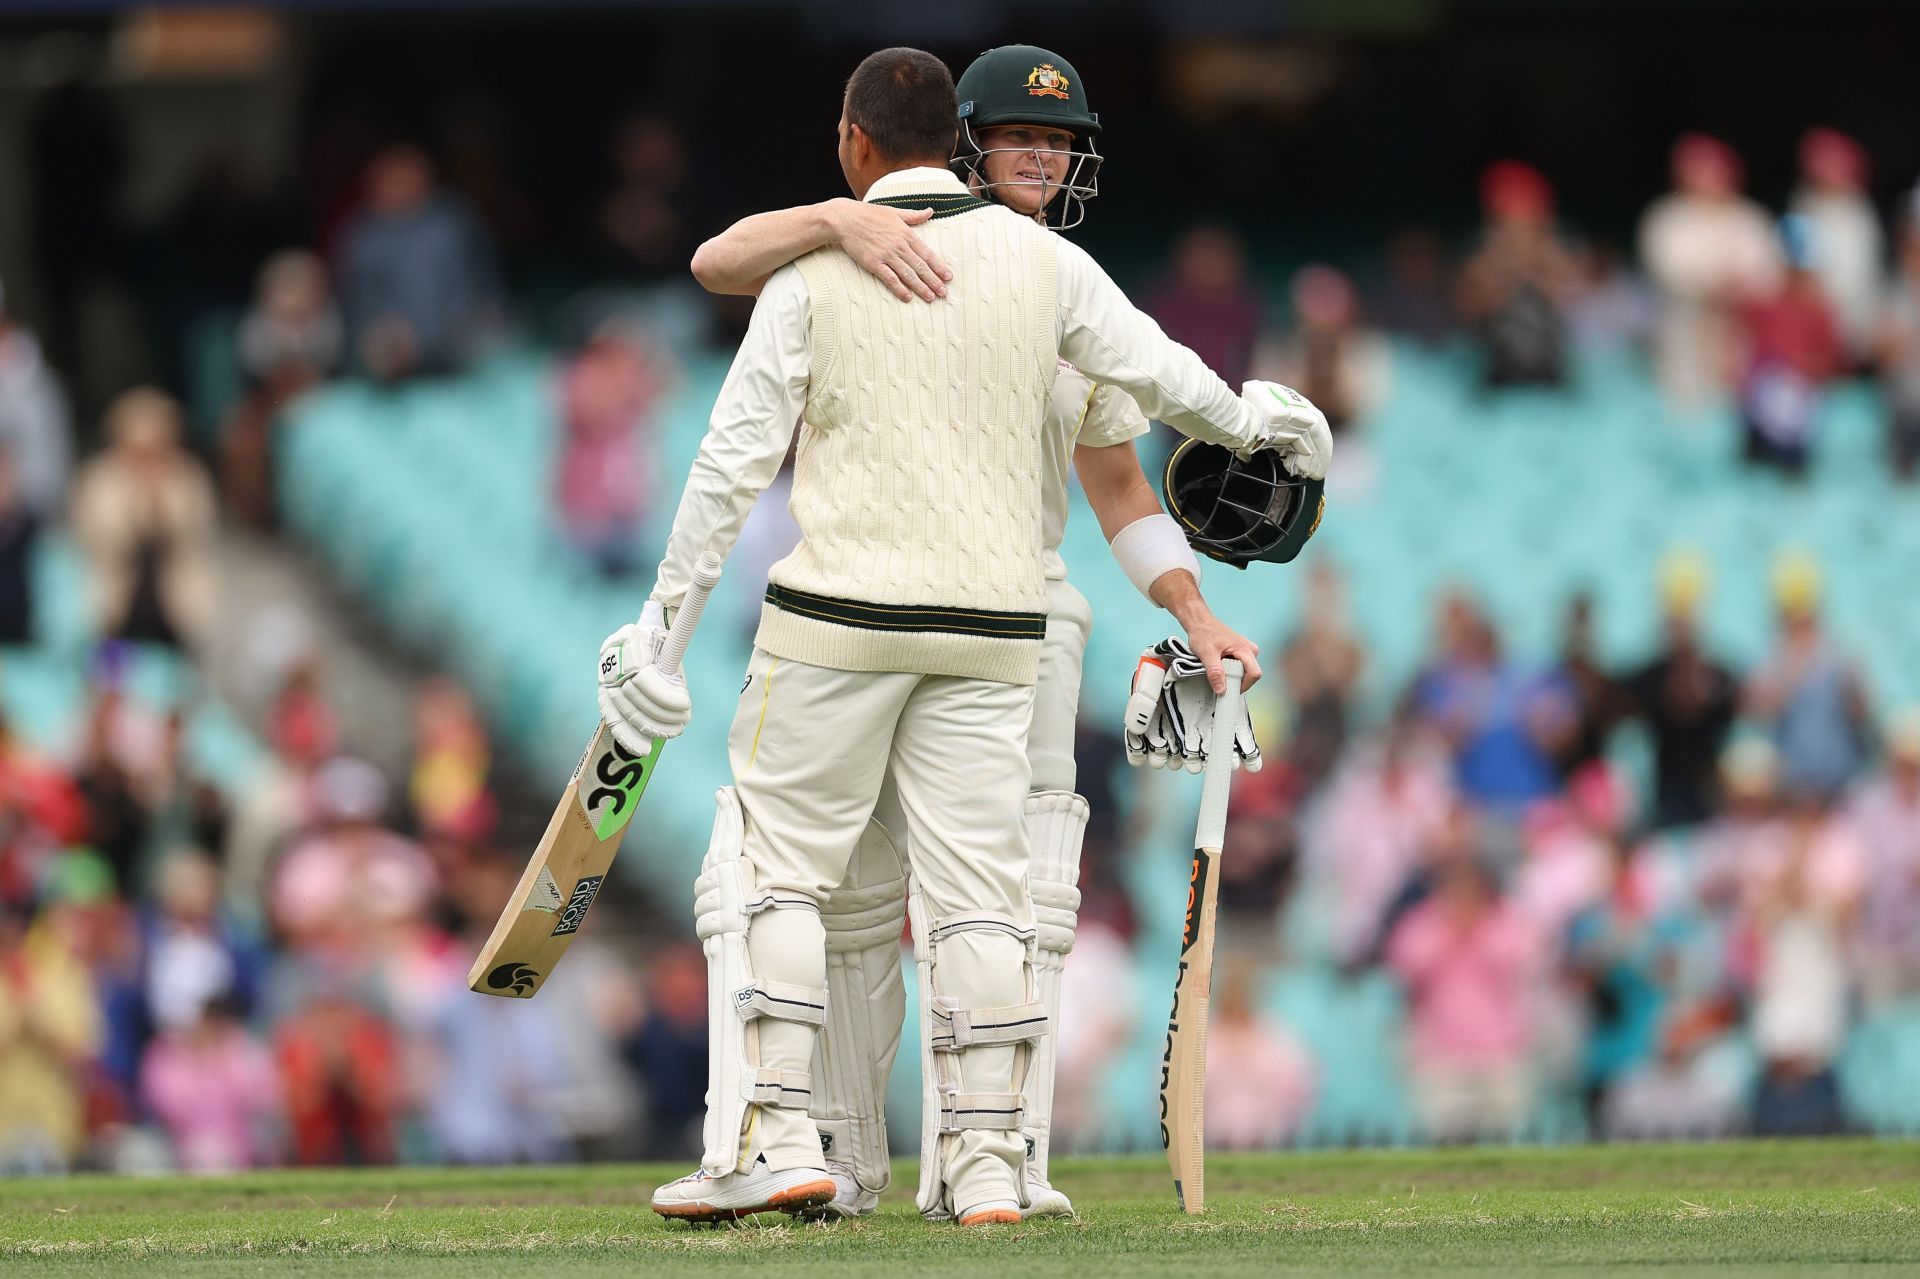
(1260, 1084)
(1376, 825)
(211, 1089)
(1467, 981)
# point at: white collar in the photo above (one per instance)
(920, 180)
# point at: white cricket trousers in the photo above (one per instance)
(810, 747)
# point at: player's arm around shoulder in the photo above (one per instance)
(879, 239)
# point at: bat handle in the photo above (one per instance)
(705, 574)
(1211, 830)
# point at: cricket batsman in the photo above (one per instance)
(901, 638)
(1027, 141)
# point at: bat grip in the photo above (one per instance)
(680, 634)
(1211, 830)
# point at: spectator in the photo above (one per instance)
(1688, 701)
(1705, 246)
(1804, 906)
(1384, 809)
(1208, 304)
(35, 429)
(1692, 1090)
(214, 1090)
(1833, 199)
(1503, 724)
(1809, 692)
(143, 512)
(1100, 1002)
(1321, 664)
(1900, 349)
(340, 1066)
(417, 273)
(1468, 960)
(19, 531)
(645, 224)
(1613, 308)
(193, 962)
(1260, 1079)
(349, 877)
(1886, 812)
(49, 1030)
(452, 757)
(608, 395)
(1331, 357)
(1597, 699)
(668, 1052)
(1515, 285)
(1791, 349)
(1412, 297)
(289, 339)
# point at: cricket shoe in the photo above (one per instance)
(850, 1198)
(1044, 1201)
(699, 1197)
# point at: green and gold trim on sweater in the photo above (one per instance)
(908, 617)
(944, 205)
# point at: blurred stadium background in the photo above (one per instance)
(349, 368)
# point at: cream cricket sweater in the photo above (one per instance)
(917, 487)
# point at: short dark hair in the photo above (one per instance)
(903, 99)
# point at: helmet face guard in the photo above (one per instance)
(1025, 84)
(1081, 183)
(1240, 510)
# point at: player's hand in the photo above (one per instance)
(1294, 426)
(1211, 640)
(639, 701)
(881, 242)
(1185, 714)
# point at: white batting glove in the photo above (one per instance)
(1145, 726)
(1185, 714)
(1294, 426)
(640, 702)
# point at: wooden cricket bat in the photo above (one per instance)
(1183, 1067)
(551, 900)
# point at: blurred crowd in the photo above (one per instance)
(205, 979)
(211, 982)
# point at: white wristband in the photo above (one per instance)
(1150, 546)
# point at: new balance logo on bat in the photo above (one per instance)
(574, 913)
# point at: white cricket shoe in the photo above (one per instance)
(699, 1197)
(1044, 1201)
(850, 1198)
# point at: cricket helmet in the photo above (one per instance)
(1238, 510)
(1025, 84)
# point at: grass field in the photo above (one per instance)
(1802, 1208)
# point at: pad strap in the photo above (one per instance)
(998, 1111)
(804, 1004)
(767, 1087)
(955, 1027)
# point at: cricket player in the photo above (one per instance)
(902, 637)
(1029, 146)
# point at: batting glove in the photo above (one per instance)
(1294, 426)
(639, 701)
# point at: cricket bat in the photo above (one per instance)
(1183, 1067)
(551, 900)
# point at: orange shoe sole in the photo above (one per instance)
(991, 1217)
(810, 1194)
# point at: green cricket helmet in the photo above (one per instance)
(1025, 84)
(1238, 510)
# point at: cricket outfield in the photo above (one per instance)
(1752, 1208)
